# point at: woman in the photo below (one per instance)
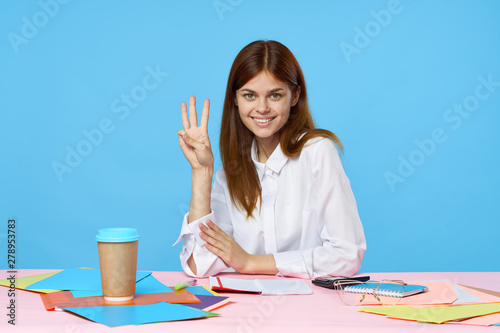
(281, 203)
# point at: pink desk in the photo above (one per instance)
(320, 312)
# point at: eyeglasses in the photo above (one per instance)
(385, 292)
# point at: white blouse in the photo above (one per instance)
(309, 219)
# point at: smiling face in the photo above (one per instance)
(264, 106)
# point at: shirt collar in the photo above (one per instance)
(275, 162)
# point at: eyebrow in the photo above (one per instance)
(272, 91)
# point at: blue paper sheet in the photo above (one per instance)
(147, 285)
(120, 315)
(199, 290)
(76, 279)
(465, 297)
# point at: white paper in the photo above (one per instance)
(284, 287)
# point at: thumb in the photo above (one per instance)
(191, 142)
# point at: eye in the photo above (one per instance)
(275, 96)
(249, 96)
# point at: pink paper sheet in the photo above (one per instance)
(439, 292)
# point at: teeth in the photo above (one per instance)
(263, 120)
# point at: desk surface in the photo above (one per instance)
(320, 312)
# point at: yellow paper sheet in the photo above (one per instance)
(211, 291)
(23, 282)
(435, 314)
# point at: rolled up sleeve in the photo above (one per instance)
(207, 263)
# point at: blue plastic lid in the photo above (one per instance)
(117, 235)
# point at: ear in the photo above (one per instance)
(296, 97)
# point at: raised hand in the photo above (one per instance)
(193, 139)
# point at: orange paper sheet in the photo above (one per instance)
(65, 299)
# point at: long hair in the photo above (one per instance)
(236, 140)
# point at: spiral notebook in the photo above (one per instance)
(385, 289)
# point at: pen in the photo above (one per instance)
(185, 284)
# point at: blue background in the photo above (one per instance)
(382, 83)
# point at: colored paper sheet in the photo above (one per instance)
(209, 302)
(439, 292)
(150, 284)
(464, 296)
(485, 291)
(202, 290)
(76, 279)
(469, 296)
(65, 299)
(435, 314)
(25, 281)
(147, 285)
(486, 320)
(113, 316)
(483, 295)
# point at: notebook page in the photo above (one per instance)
(284, 287)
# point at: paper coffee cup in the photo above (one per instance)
(118, 262)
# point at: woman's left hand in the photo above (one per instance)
(225, 247)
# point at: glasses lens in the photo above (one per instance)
(386, 292)
(389, 292)
(352, 292)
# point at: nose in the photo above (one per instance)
(262, 105)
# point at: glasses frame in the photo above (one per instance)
(339, 286)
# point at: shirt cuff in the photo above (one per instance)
(193, 227)
(291, 264)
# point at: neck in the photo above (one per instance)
(265, 147)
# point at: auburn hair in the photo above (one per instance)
(236, 140)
